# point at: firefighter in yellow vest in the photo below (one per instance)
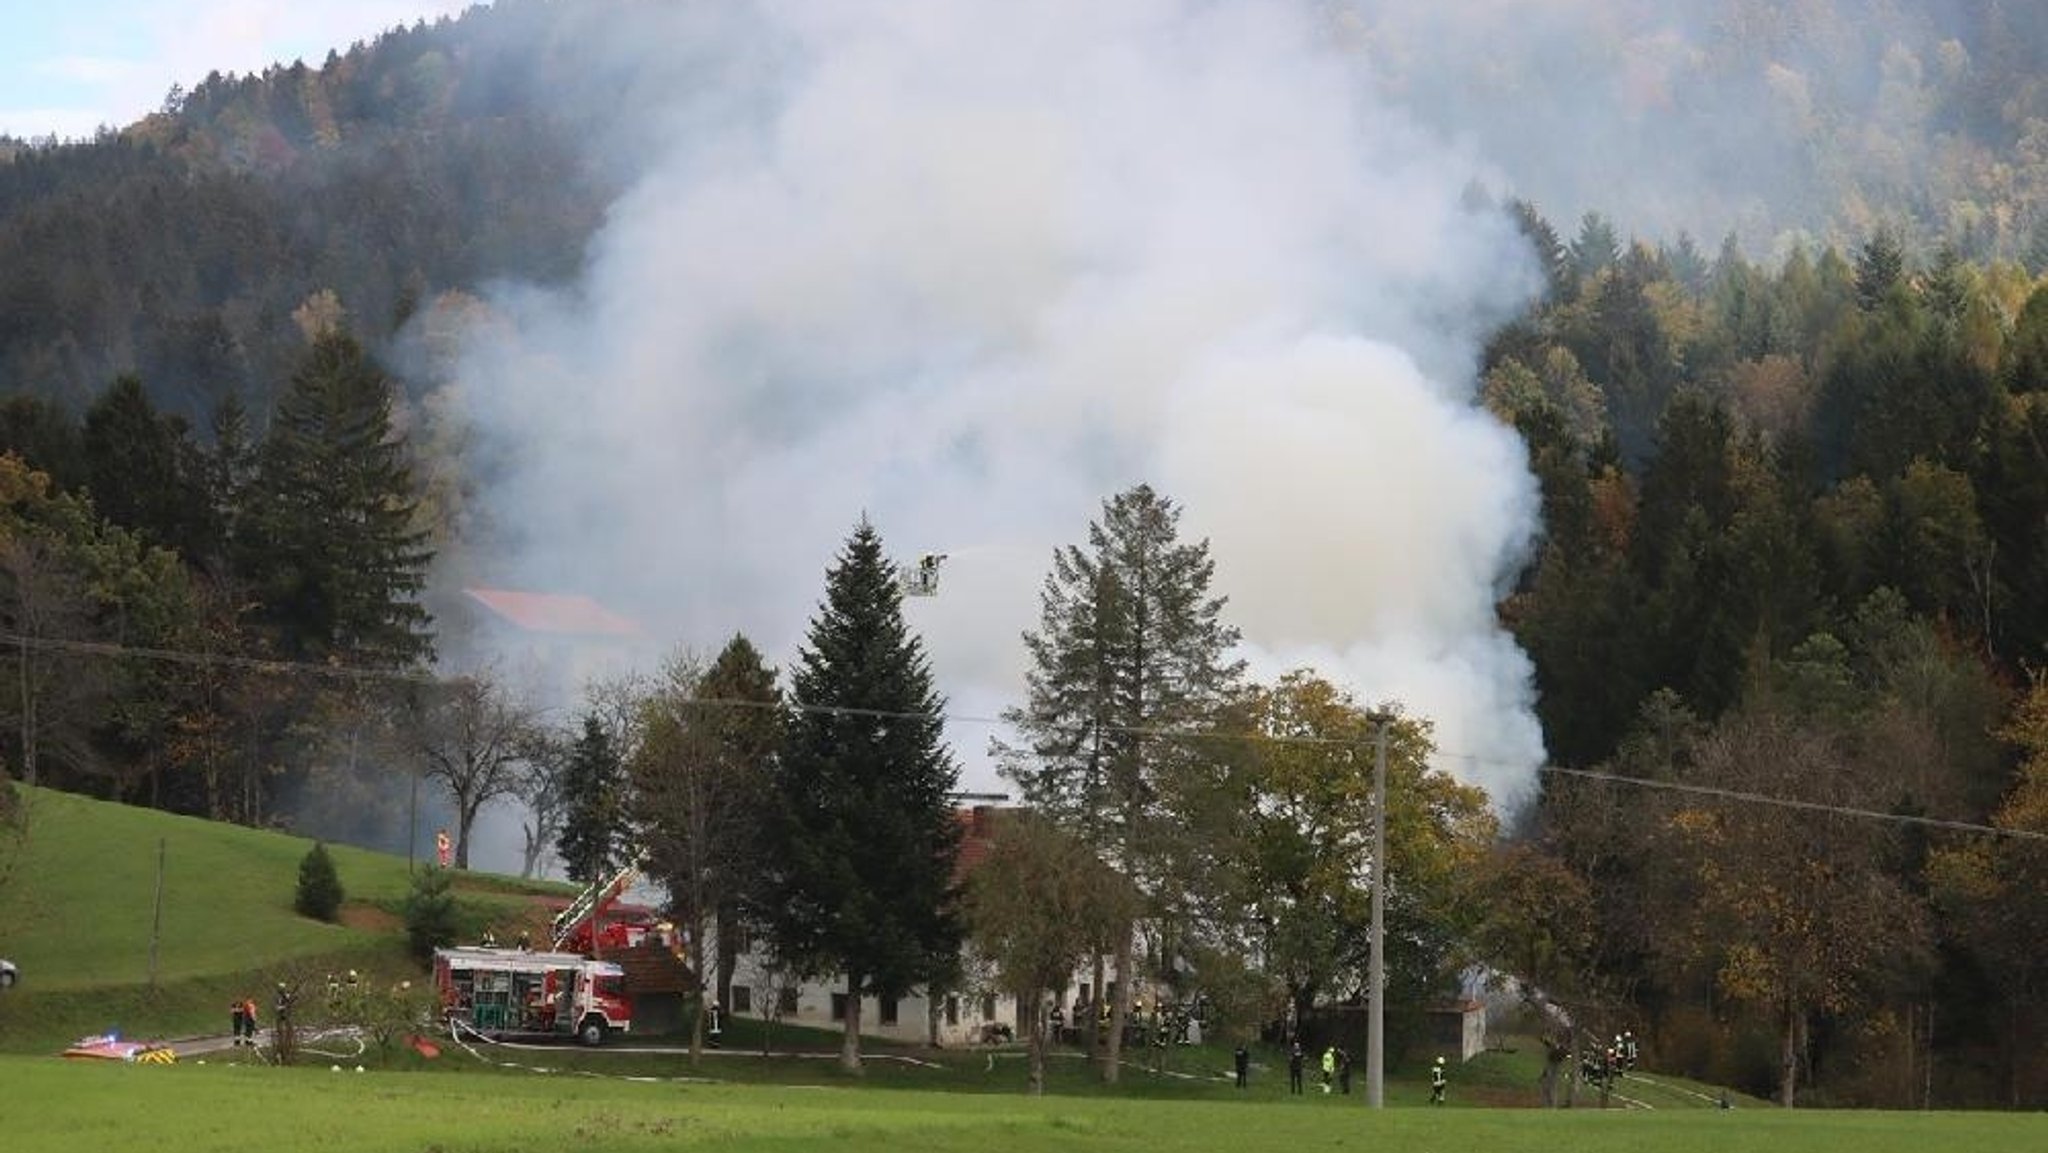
(1437, 1080)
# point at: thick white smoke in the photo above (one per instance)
(973, 268)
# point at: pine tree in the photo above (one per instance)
(430, 911)
(319, 893)
(1688, 265)
(230, 465)
(865, 835)
(331, 548)
(1948, 288)
(144, 472)
(1880, 264)
(1559, 276)
(1129, 644)
(1597, 249)
(591, 786)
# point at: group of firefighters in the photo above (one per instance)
(1169, 1021)
(242, 1014)
(1336, 1070)
(1603, 1065)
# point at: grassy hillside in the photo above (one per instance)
(77, 906)
(78, 913)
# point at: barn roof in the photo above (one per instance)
(562, 614)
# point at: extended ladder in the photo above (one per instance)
(590, 903)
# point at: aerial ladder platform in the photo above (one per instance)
(572, 928)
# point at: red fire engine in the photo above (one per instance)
(514, 992)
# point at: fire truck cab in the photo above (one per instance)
(518, 992)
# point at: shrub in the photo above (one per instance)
(319, 894)
(430, 911)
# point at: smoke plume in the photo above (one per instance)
(972, 268)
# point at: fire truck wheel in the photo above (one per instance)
(592, 1031)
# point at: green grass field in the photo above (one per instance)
(56, 1106)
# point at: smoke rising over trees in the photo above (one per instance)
(1608, 424)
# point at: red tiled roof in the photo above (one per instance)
(559, 613)
(977, 832)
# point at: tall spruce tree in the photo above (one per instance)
(1880, 265)
(1597, 248)
(230, 466)
(1130, 646)
(330, 547)
(592, 783)
(865, 836)
(144, 471)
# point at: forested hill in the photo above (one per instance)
(178, 248)
(447, 155)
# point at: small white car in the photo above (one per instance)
(8, 974)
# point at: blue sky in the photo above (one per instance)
(68, 66)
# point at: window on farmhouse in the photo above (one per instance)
(742, 999)
(888, 1010)
(839, 1006)
(952, 1010)
(785, 1001)
(988, 1007)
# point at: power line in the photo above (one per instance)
(1793, 803)
(415, 676)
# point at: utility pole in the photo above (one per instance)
(1376, 977)
(28, 712)
(156, 923)
(412, 821)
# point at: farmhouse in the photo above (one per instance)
(968, 1016)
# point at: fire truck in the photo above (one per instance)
(519, 992)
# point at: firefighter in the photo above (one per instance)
(240, 1018)
(1243, 1061)
(1329, 1067)
(1628, 1052)
(1437, 1080)
(281, 1035)
(1294, 1068)
(248, 1021)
